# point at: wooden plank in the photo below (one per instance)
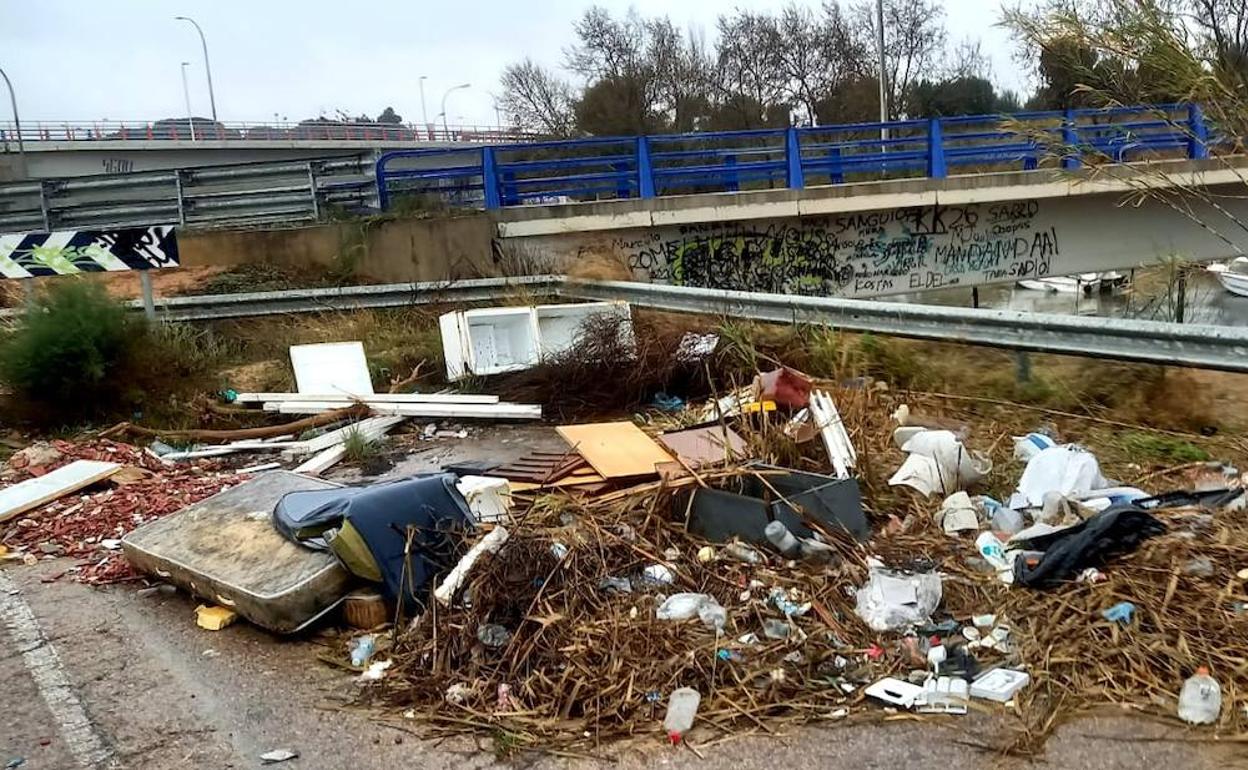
(383, 398)
(567, 482)
(706, 445)
(32, 493)
(615, 449)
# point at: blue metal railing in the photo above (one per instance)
(503, 175)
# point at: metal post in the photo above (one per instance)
(316, 203)
(44, 208)
(975, 297)
(733, 181)
(1070, 138)
(1198, 144)
(1180, 301)
(489, 179)
(17, 122)
(645, 172)
(424, 113)
(1022, 366)
(186, 93)
(883, 76)
(212, 97)
(177, 188)
(446, 128)
(149, 302)
(936, 168)
(793, 157)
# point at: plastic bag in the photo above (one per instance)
(890, 600)
(1065, 470)
(684, 606)
(937, 461)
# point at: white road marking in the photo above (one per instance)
(45, 668)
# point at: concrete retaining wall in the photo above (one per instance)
(383, 252)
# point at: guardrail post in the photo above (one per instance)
(489, 179)
(1070, 141)
(45, 208)
(836, 170)
(1198, 142)
(645, 171)
(793, 159)
(149, 301)
(733, 182)
(379, 177)
(316, 203)
(936, 168)
(178, 191)
(510, 197)
(623, 180)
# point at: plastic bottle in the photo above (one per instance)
(781, 538)
(682, 707)
(742, 552)
(362, 648)
(1200, 702)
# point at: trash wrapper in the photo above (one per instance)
(892, 600)
(1066, 470)
(936, 461)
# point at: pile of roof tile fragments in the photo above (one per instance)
(753, 549)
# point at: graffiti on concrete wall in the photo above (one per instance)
(855, 254)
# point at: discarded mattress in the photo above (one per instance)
(226, 550)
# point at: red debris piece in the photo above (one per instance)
(79, 522)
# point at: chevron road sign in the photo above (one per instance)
(65, 252)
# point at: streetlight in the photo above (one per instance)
(186, 94)
(212, 98)
(445, 128)
(17, 122)
(424, 114)
(879, 41)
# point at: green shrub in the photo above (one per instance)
(68, 348)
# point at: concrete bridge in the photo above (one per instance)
(78, 148)
(822, 211)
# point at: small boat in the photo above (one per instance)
(1233, 275)
(1085, 283)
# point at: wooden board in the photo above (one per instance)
(32, 493)
(705, 446)
(331, 367)
(615, 449)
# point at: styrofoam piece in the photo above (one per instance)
(559, 326)
(943, 695)
(499, 411)
(896, 692)
(388, 398)
(1000, 684)
(331, 367)
(488, 497)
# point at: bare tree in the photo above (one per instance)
(914, 39)
(537, 99)
(816, 55)
(750, 80)
(681, 69)
(967, 60)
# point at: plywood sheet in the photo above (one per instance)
(331, 367)
(32, 493)
(705, 446)
(615, 449)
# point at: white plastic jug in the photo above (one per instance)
(682, 707)
(1200, 702)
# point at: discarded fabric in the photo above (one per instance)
(1092, 543)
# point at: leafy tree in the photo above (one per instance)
(388, 115)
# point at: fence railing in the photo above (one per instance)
(203, 129)
(272, 192)
(515, 174)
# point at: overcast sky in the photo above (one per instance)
(120, 59)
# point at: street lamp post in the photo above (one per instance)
(17, 123)
(424, 113)
(879, 42)
(212, 97)
(445, 128)
(186, 94)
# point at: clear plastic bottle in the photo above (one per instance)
(682, 707)
(781, 538)
(1200, 702)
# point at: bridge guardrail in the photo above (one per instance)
(504, 175)
(272, 192)
(203, 129)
